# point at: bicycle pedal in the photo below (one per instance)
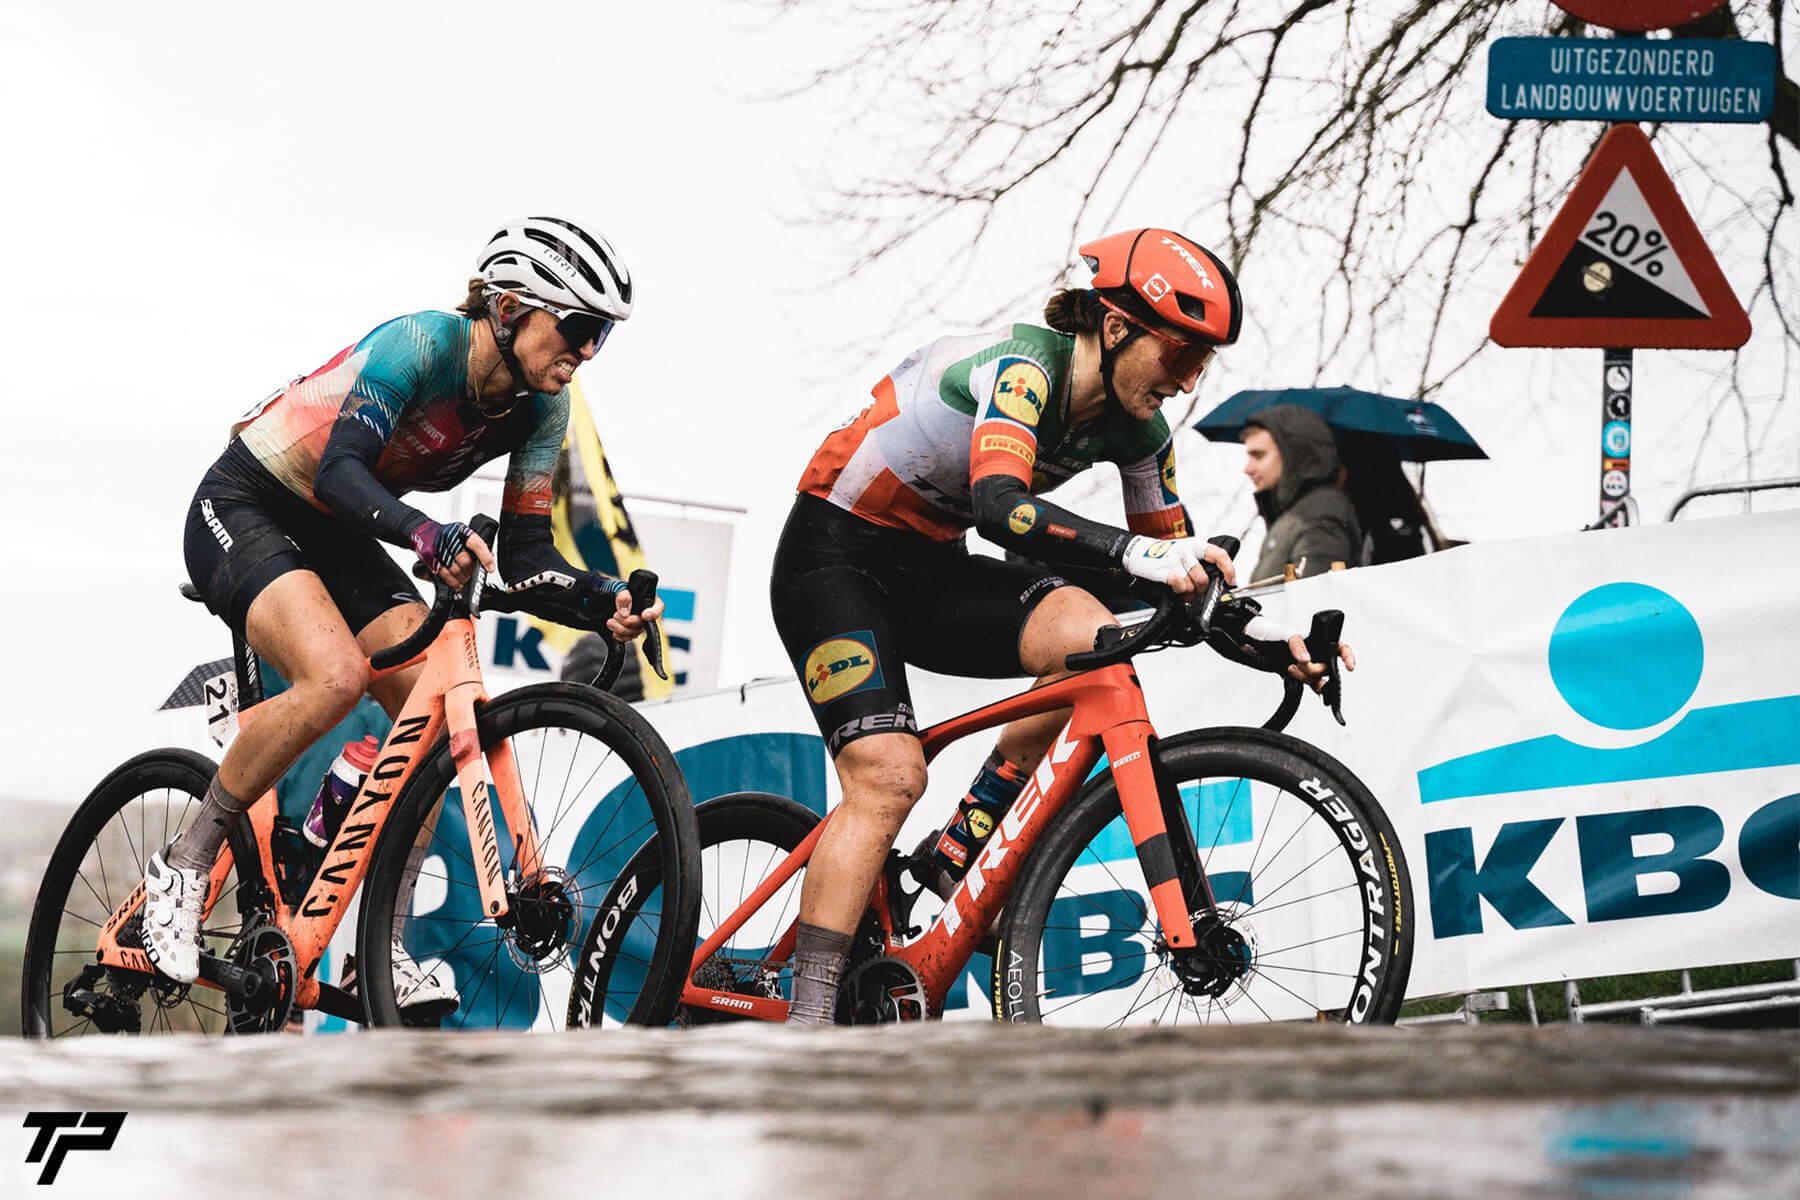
(427, 1016)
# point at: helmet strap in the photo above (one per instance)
(503, 339)
(1109, 359)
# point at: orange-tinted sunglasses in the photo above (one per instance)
(1179, 357)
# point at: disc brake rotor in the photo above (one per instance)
(541, 920)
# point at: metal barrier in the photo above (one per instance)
(1687, 1004)
(1727, 489)
(1470, 1010)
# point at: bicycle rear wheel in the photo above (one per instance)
(601, 784)
(97, 863)
(743, 837)
(1315, 907)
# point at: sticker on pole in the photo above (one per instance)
(1623, 264)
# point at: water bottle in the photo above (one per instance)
(338, 788)
(992, 793)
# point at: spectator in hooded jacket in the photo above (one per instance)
(1293, 464)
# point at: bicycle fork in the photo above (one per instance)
(1158, 828)
(484, 842)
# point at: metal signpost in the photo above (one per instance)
(1623, 265)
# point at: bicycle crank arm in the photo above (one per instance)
(336, 1002)
(247, 985)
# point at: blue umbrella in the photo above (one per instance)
(1418, 430)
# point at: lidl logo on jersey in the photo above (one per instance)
(1022, 518)
(1626, 657)
(1168, 479)
(841, 665)
(1021, 389)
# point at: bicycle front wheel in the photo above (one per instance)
(1314, 908)
(99, 860)
(601, 784)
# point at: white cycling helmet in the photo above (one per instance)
(557, 265)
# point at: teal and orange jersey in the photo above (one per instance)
(965, 407)
(407, 380)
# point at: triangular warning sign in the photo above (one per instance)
(1622, 265)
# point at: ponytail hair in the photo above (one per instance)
(1074, 311)
(475, 305)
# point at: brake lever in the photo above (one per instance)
(642, 586)
(1203, 611)
(1322, 644)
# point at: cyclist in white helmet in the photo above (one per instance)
(283, 538)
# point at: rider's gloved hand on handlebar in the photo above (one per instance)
(599, 594)
(1176, 562)
(449, 551)
(1265, 629)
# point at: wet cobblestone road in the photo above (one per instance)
(955, 1109)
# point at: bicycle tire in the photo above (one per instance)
(562, 734)
(743, 836)
(1304, 865)
(99, 859)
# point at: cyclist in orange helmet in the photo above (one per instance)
(872, 572)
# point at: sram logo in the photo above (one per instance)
(730, 1002)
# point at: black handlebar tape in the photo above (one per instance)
(1208, 603)
(642, 586)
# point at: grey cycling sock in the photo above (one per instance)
(199, 843)
(819, 956)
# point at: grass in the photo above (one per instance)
(1552, 1004)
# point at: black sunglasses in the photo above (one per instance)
(579, 328)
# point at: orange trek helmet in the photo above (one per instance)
(1158, 274)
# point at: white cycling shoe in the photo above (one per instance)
(418, 992)
(173, 900)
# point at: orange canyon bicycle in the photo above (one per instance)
(485, 797)
(1228, 874)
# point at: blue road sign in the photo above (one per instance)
(1630, 79)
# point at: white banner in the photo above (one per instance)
(687, 545)
(1589, 744)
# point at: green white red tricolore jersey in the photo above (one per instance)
(968, 406)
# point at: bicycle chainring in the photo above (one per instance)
(881, 991)
(264, 947)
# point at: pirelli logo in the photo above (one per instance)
(999, 443)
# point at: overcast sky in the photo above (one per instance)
(204, 200)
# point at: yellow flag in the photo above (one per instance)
(592, 530)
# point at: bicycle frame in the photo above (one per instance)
(1109, 714)
(445, 695)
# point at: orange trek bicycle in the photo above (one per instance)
(490, 792)
(1227, 874)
